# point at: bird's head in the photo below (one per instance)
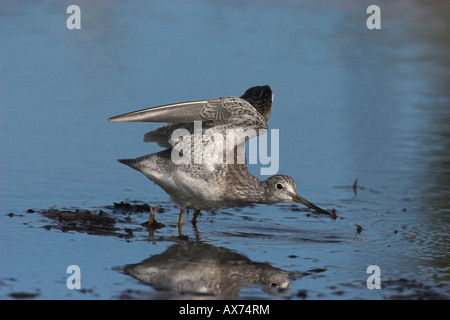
(282, 188)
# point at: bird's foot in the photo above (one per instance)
(152, 223)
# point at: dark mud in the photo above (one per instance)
(125, 219)
(122, 219)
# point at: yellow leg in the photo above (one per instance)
(196, 213)
(180, 221)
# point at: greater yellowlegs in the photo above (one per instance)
(211, 184)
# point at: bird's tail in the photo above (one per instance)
(133, 163)
(148, 163)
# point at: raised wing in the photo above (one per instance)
(235, 119)
(175, 113)
(220, 114)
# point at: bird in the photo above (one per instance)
(195, 267)
(211, 183)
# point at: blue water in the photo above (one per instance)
(349, 103)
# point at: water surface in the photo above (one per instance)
(350, 103)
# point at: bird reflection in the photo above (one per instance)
(198, 270)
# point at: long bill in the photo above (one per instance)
(298, 198)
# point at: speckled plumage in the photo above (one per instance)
(213, 184)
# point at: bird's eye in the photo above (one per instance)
(279, 186)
